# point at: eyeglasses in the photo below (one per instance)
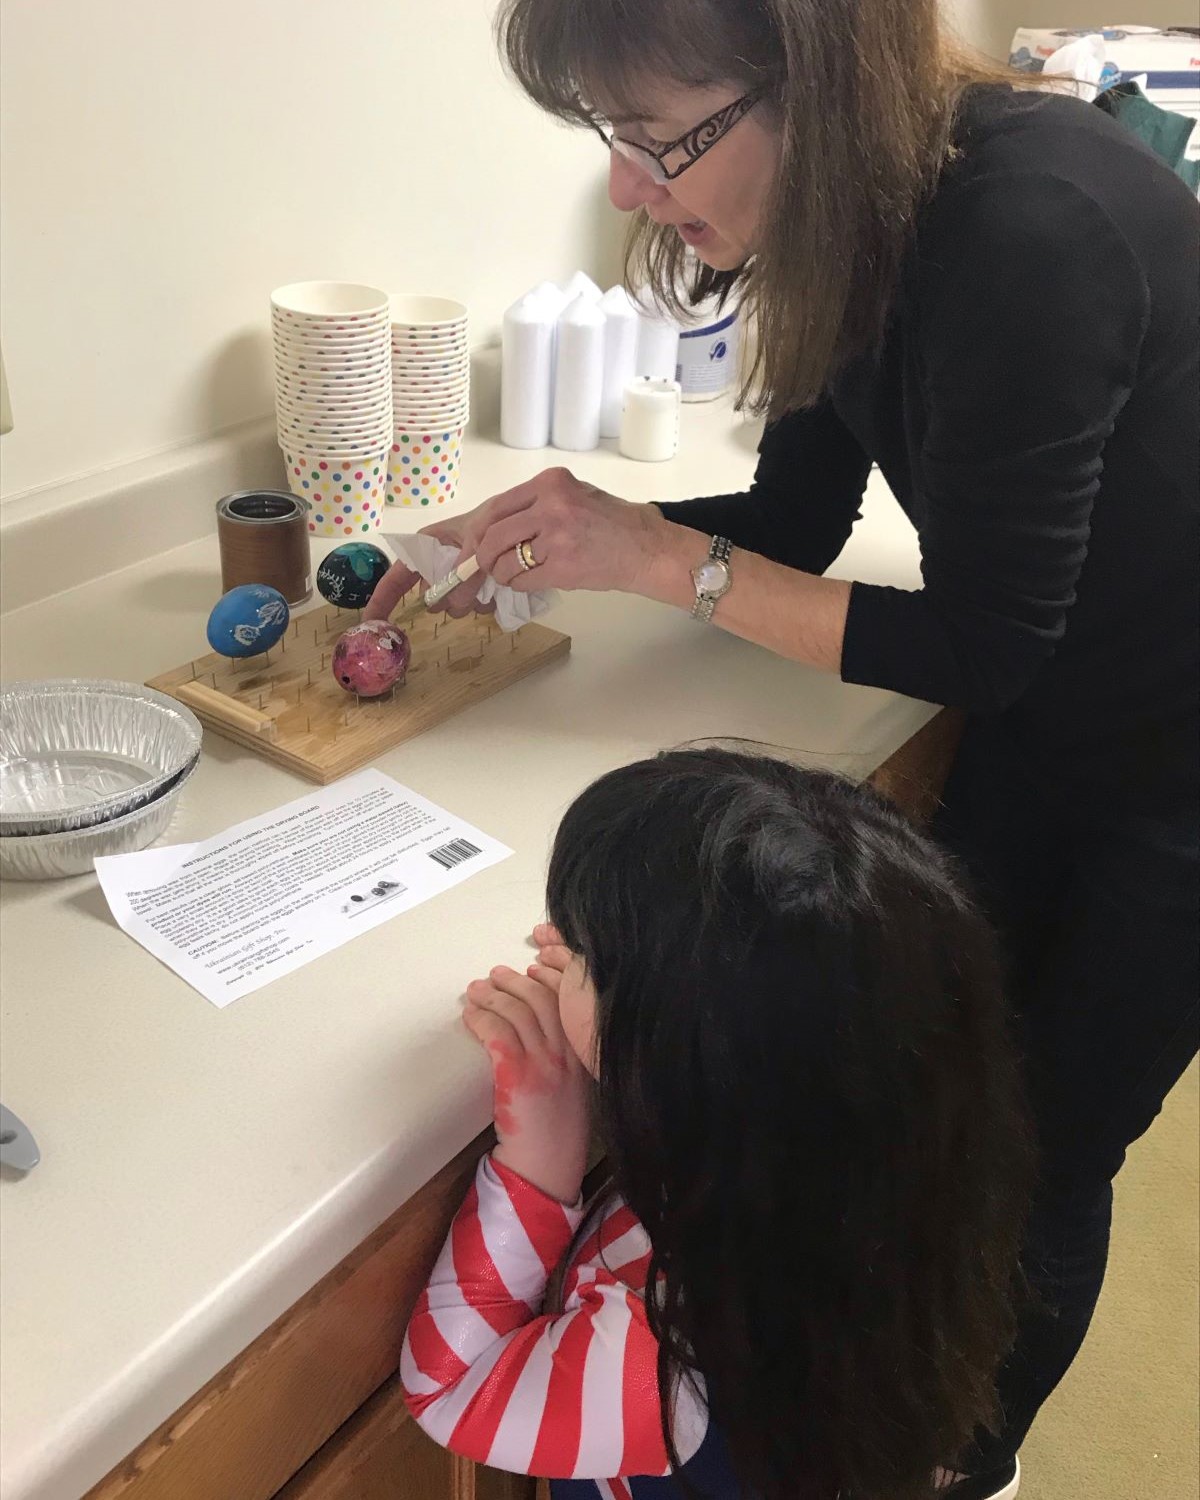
(666, 163)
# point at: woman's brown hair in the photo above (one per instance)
(864, 94)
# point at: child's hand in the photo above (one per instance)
(540, 1087)
(553, 953)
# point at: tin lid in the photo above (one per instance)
(257, 507)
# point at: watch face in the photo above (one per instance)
(711, 577)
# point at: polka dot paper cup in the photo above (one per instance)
(312, 437)
(432, 385)
(429, 317)
(370, 407)
(440, 421)
(345, 493)
(341, 306)
(423, 466)
(302, 387)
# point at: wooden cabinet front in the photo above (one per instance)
(259, 1421)
(381, 1454)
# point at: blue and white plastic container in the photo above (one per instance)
(708, 355)
(707, 363)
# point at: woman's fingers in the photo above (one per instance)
(464, 599)
(399, 578)
(389, 591)
(451, 530)
(549, 504)
(500, 507)
(497, 550)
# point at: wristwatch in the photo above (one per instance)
(713, 579)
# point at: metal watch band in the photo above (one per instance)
(719, 550)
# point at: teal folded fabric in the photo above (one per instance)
(1165, 132)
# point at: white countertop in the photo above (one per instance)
(202, 1168)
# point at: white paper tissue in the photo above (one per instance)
(434, 559)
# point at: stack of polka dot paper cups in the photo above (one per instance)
(333, 401)
(431, 379)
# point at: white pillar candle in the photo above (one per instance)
(579, 377)
(555, 299)
(658, 340)
(650, 419)
(552, 294)
(620, 356)
(581, 284)
(526, 372)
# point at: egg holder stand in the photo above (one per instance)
(286, 705)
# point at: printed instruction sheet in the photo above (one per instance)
(233, 913)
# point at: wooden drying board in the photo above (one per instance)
(287, 706)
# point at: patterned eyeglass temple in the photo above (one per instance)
(693, 143)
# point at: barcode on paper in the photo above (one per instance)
(454, 853)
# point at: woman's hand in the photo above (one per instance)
(399, 578)
(581, 538)
(540, 1088)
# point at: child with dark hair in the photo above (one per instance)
(801, 1282)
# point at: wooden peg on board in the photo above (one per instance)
(226, 710)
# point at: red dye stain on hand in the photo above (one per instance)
(516, 1073)
(507, 1074)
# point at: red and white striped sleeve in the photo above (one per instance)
(572, 1395)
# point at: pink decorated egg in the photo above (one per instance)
(371, 657)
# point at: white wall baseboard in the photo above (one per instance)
(60, 536)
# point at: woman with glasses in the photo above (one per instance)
(991, 294)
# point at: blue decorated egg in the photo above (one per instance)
(349, 574)
(247, 620)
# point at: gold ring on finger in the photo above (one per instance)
(525, 555)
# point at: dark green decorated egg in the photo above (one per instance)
(349, 574)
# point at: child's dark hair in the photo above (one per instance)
(811, 1101)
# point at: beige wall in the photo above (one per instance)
(164, 165)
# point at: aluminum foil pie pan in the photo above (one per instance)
(49, 856)
(76, 753)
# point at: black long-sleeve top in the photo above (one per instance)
(1035, 409)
